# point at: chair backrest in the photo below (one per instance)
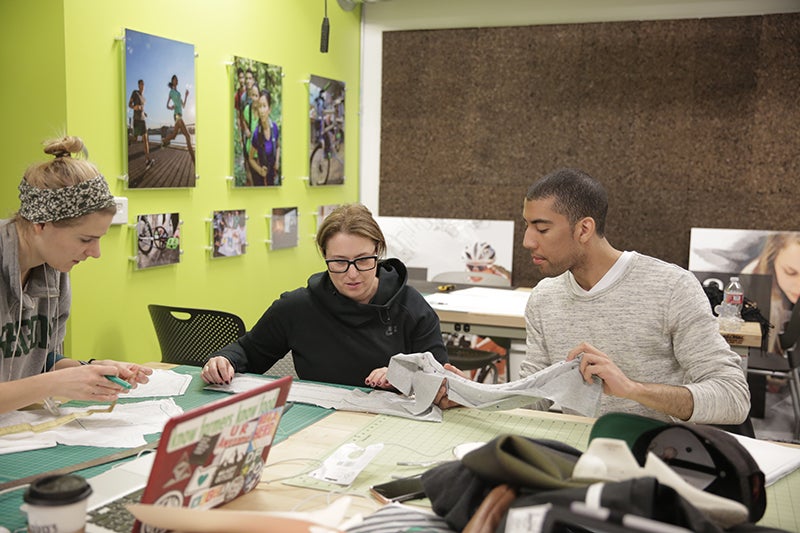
(187, 335)
(284, 367)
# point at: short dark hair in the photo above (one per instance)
(576, 195)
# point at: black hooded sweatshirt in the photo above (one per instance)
(335, 339)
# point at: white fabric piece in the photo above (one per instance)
(421, 375)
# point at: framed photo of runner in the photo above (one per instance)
(160, 110)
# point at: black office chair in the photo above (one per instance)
(188, 336)
(484, 362)
(785, 366)
(284, 367)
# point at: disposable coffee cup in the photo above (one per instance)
(57, 504)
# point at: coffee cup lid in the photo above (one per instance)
(57, 490)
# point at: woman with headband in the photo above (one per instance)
(65, 207)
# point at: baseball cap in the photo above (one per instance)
(705, 456)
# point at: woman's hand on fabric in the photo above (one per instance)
(377, 379)
(218, 370)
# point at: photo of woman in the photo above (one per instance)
(755, 253)
(780, 258)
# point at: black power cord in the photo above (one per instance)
(326, 29)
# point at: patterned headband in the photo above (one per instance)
(50, 205)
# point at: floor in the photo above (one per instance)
(778, 421)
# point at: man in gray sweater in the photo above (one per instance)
(643, 326)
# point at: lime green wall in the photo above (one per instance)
(109, 314)
(32, 87)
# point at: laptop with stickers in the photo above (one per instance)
(205, 457)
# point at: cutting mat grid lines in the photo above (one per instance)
(782, 510)
(411, 441)
(18, 465)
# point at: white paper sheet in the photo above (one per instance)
(481, 300)
(775, 460)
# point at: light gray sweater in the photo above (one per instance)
(45, 304)
(655, 322)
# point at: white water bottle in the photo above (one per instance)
(733, 298)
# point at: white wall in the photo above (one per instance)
(389, 15)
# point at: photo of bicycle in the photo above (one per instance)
(326, 139)
(158, 240)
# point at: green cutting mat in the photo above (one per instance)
(23, 464)
(424, 442)
(412, 441)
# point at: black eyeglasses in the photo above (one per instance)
(362, 264)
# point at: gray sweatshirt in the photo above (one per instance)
(655, 323)
(40, 328)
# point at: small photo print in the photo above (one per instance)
(229, 233)
(324, 211)
(326, 140)
(257, 120)
(283, 228)
(158, 240)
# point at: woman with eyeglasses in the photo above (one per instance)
(350, 319)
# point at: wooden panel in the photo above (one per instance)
(688, 123)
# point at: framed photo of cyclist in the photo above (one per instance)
(161, 112)
(283, 228)
(158, 240)
(257, 123)
(326, 132)
(229, 233)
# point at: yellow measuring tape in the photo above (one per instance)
(54, 423)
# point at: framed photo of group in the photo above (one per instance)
(257, 121)
(229, 233)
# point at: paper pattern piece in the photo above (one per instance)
(343, 465)
(124, 427)
(162, 384)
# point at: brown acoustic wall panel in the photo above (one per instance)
(688, 123)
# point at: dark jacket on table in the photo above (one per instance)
(338, 340)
